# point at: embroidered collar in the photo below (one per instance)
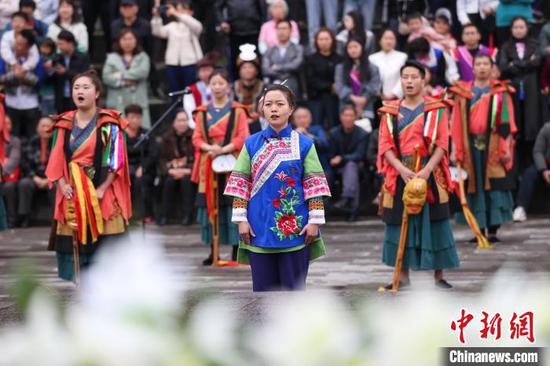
(270, 133)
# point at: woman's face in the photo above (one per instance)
(349, 24)
(278, 11)
(181, 123)
(219, 86)
(388, 41)
(519, 29)
(276, 109)
(128, 43)
(248, 71)
(85, 94)
(324, 42)
(354, 50)
(441, 26)
(66, 11)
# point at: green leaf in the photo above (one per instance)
(278, 215)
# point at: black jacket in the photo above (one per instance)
(245, 16)
(352, 147)
(524, 76)
(79, 62)
(320, 73)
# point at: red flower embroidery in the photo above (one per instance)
(282, 192)
(288, 224)
(291, 182)
(316, 181)
(276, 202)
(281, 176)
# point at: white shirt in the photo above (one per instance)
(79, 31)
(465, 7)
(389, 65)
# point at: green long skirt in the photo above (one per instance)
(490, 208)
(430, 245)
(229, 232)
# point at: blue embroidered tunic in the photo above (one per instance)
(278, 184)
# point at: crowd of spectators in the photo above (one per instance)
(340, 57)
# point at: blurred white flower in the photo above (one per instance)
(41, 340)
(132, 277)
(213, 332)
(306, 328)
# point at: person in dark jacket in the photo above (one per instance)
(348, 144)
(321, 91)
(175, 165)
(519, 60)
(35, 156)
(302, 120)
(65, 66)
(241, 20)
(142, 168)
(129, 11)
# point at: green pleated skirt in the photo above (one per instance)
(430, 245)
(490, 208)
(229, 232)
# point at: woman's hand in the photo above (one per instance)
(66, 190)
(215, 150)
(245, 231)
(506, 157)
(100, 192)
(311, 231)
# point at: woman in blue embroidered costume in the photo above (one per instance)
(278, 184)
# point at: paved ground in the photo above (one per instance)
(352, 266)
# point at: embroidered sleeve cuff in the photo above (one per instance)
(316, 185)
(239, 186)
(316, 211)
(316, 217)
(240, 210)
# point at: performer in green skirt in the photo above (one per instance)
(405, 124)
(482, 131)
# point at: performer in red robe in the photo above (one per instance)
(482, 130)
(88, 165)
(405, 124)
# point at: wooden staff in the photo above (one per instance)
(482, 242)
(403, 234)
(216, 224)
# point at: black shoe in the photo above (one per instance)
(208, 261)
(161, 221)
(187, 220)
(24, 221)
(493, 239)
(443, 284)
(352, 217)
(402, 285)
